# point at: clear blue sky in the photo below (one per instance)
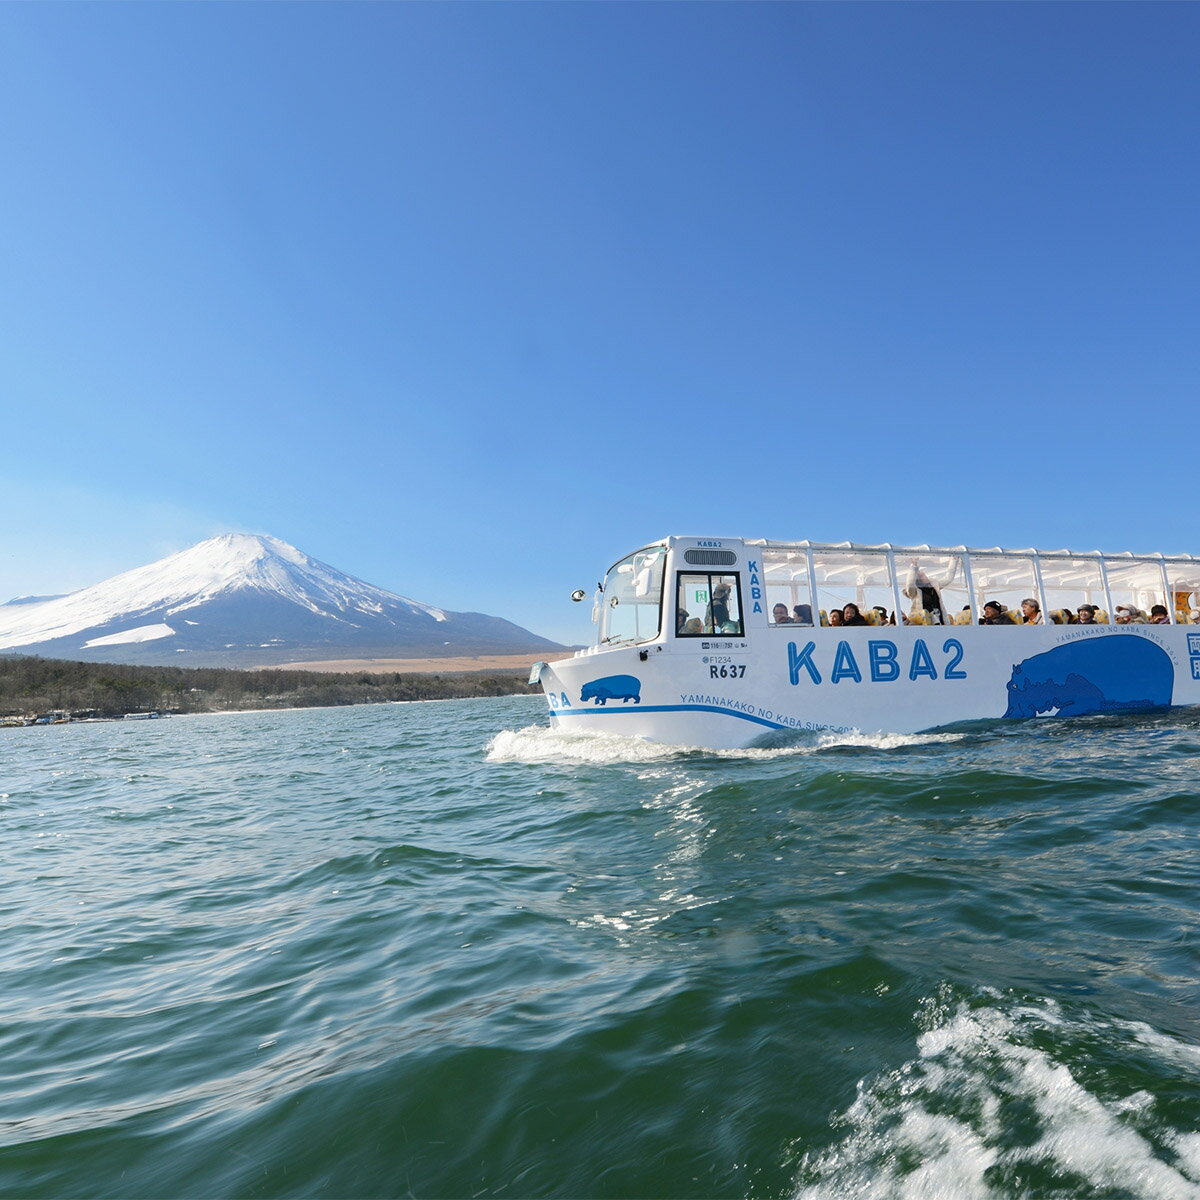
(471, 299)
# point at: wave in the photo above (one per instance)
(990, 1108)
(885, 741)
(541, 744)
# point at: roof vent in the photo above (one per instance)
(710, 558)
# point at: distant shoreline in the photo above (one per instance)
(10, 723)
(59, 691)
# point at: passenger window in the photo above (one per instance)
(1185, 591)
(934, 587)
(708, 604)
(788, 589)
(1005, 581)
(1073, 584)
(853, 587)
(1135, 586)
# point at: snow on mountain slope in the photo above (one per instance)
(30, 600)
(222, 565)
(236, 593)
(143, 633)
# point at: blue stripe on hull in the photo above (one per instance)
(659, 708)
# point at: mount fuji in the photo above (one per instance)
(241, 600)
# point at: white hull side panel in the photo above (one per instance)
(729, 693)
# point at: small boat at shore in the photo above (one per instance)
(722, 642)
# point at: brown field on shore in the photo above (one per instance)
(429, 666)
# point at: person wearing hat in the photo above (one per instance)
(993, 614)
(1086, 615)
(1194, 616)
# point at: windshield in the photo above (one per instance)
(631, 603)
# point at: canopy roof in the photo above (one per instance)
(987, 551)
(992, 566)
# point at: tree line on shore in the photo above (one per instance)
(30, 685)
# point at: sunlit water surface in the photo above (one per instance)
(438, 950)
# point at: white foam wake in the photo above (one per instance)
(884, 741)
(942, 1126)
(541, 744)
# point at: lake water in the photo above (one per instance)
(437, 950)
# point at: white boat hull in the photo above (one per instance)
(734, 692)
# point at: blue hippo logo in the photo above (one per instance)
(1103, 674)
(612, 687)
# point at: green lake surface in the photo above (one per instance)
(439, 950)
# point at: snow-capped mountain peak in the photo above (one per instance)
(236, 592)
(235, 561)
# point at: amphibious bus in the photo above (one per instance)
(724, 642)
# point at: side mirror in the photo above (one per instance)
(578, 594)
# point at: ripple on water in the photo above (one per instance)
(441, 950)
(1018, 1096)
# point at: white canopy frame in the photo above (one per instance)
(1173, 569)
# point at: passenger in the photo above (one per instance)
(881, 613)
(1031, 612)
(802, 614)
(993, 614)
(681, 620)
(717, 613)
(692, 627)
(1086, 615)
(1128, 615)
(1158, 615)
(852, 616)
(835, 617)
(924, 592)
(779, 615)
(1194, 616)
